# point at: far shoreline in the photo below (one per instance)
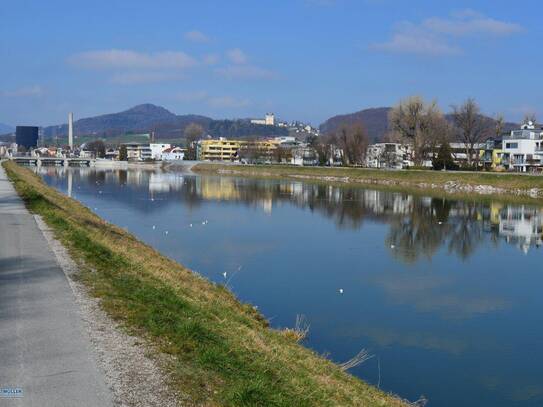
(456, 184)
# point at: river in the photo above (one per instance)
(446, 294)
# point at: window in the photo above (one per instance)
(511, 145)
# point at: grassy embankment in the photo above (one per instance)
(407, 180)
(222, 351)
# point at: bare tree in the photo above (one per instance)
(499, 125)
(282, 154)
(353, 140)
(471, 125)
(192, 133)
(418, 123)
(530, 117)
(98, 148)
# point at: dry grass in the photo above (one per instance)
(300, 330)
(224, 353)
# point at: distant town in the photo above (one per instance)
(426, 139)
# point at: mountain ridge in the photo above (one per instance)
(148, 117)
(375, 122)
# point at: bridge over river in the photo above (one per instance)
(55, 161)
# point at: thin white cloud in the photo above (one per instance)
(410, 39)
(128, 59)
(470, 23)
(25, 91)
(237, 56)
(245, 72)
(196, 36)
(134, 78)
(438, 36)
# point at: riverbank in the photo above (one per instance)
(450, 182)
(219, 351)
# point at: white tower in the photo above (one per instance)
(71, 130)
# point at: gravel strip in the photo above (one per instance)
(134, 378)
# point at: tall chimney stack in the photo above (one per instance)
(71, 130)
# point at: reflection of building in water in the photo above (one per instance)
(165, 182)
(521, 225)
(222, 189)
(381, 203)
(418, 225)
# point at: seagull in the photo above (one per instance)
(154, 227)
(190, 225)
(224, 274)
(341, 290)
(203, 223)
(166, 232)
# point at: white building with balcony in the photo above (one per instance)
(523, 149)
(157, 149)
(138, 151)
(388, 155)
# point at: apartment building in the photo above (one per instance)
(523, 149)
(138, 151)
(218, 150)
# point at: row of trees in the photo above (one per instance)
(422, 125)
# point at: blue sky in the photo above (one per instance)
(302, 59)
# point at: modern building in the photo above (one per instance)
(304, 156)
(157, 149)
(173, 153)
(523, 149)
(27, 136)
(492, 154)
(138, 151)
(388, 155)
(218, 150)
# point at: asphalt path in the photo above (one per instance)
(46, 357)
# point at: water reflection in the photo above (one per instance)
(445, 292)
(419, 226)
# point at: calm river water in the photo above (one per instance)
(446, 294)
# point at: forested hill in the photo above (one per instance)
(148, 117)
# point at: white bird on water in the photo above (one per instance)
(154, 227)
(224, 274)
(166, 232)
(341, 290)
(190, 225)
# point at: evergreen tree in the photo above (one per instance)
(444, 159)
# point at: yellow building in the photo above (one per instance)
(228, 150)
(219, 150)
(491, 157)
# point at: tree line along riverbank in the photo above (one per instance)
(219, 350)
(452, 182)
